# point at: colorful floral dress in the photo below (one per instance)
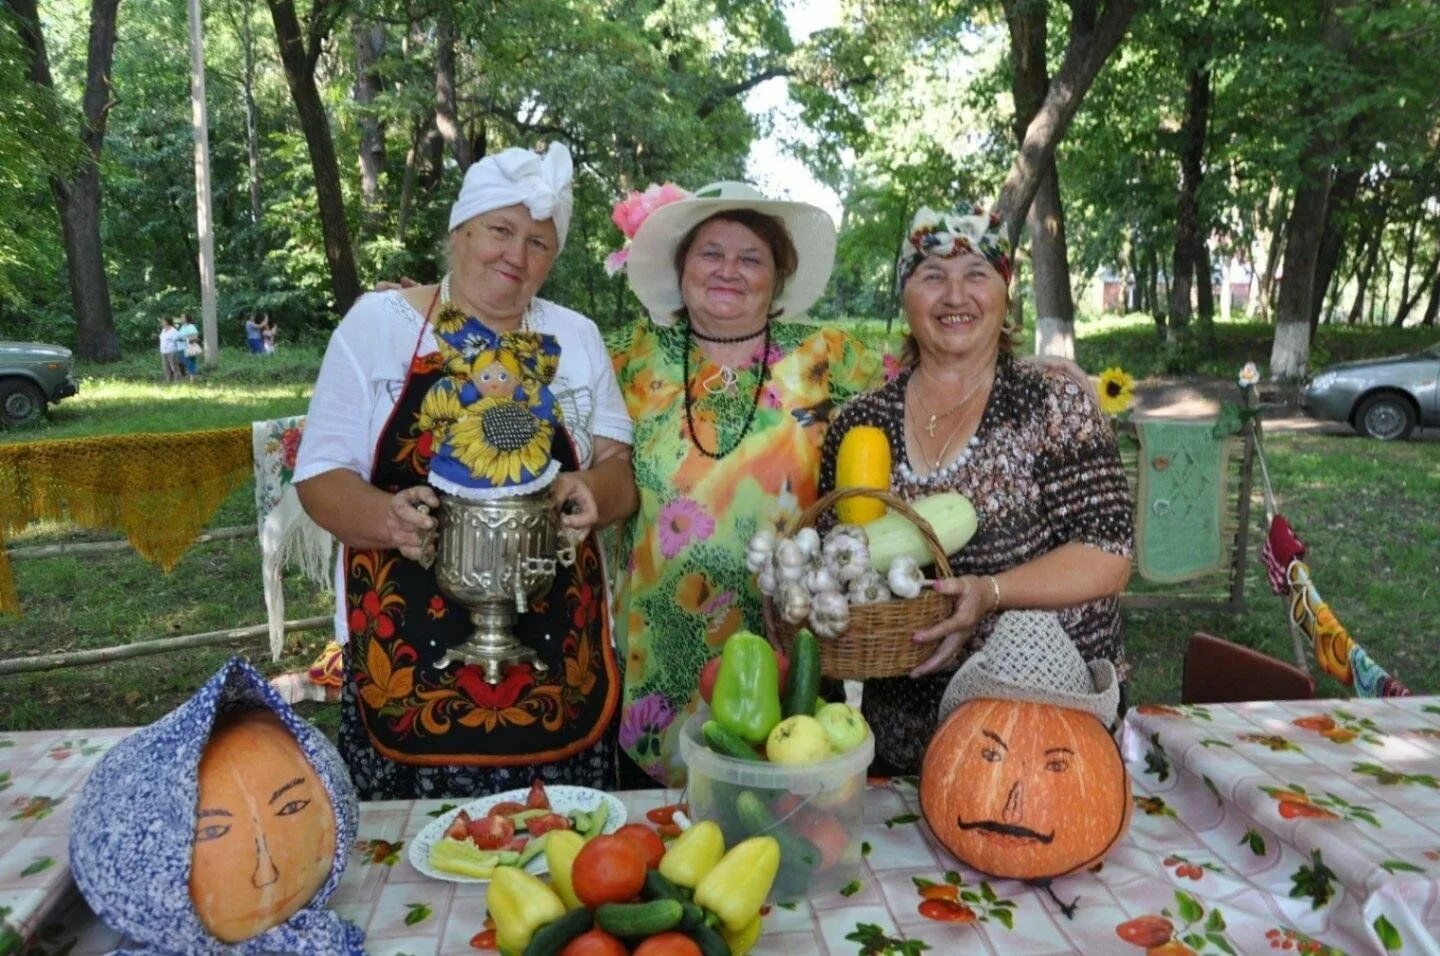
(683, 584)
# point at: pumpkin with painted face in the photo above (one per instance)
(1024, 790)
(264, 828)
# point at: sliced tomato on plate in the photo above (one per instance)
(547, 822)
(517, 843)
(538, 799)
(492, 833)
(459, 828)
(506, 808)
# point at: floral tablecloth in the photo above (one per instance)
(1303, 827)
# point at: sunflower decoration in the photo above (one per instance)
(492, 415)
(1117, 391)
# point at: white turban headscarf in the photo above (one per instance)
(519, 176)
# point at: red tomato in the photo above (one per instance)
(946, 911)
(459, 828)
(786, 804)
(666, 814)
(645, 840)
(828, 834)
(708, 674)
(538, 798)
(491, 833)
(546, 823)
(516, 843)
(485, 939)
(596, 942)
(608, 869)
(506, 808)
(668, 944)
(784, 661)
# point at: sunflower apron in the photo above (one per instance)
(409, 729)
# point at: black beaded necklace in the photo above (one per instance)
(754, 404)
(732, 340)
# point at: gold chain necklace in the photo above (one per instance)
(935, 418)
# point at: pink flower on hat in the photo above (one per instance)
(630, 214)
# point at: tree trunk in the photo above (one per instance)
(1094, 34)
(1342, 195)
(298, 57)
(1204, 285)
(369, 42)
(1409, 303)
(1366, 268)
(423, 129)
(1264, 295)
(77, 198)
(1291, 349)
(447, 120)
(252, 112)
(204, 211)
(1187, 268)
(1432, 308)
(1030, 81)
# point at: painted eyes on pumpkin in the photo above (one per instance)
(294, 806)
(1057, 759)
(212, 832)
(991, 755)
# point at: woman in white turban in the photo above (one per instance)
(397, 370)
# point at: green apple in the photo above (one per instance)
(844, 726)
(798, 740)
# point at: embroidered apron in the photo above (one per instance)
(400, 623)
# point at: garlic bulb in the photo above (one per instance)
(789, 560)
(759, 550)
(853, 530)
(868, 588)
(829, 614)
(809, 541)
(766, 580)
(847, 555)
(821, 578)
(905, 578)
(795, 602)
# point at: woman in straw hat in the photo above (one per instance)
(1025, 443)
(409, 727)
(730, 399)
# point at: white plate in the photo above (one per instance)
(564, 799)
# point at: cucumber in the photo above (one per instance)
(534, 848)
(711, 943)
(554, 936)
(638, 920)
(657, 887)
(597, 820)
(507, 858)
(722, 741)
(795, 850)
(580, 821)
(522, 818)
(804, 688)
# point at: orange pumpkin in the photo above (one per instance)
(264, 828)
(1024, 791)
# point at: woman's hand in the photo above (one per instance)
(407, 526)
(974, 598)
(575, 502)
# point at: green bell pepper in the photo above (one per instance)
(746, 700)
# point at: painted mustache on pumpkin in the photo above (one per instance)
(1005, 829)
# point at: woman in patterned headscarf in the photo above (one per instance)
(409, 727)
(1025, 443)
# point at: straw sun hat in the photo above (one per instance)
(651, 265)
(1030, 657)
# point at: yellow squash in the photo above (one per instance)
(862, 462)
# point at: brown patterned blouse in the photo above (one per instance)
(1042, 470)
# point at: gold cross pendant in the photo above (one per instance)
(930, 428)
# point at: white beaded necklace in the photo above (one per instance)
(445, 300)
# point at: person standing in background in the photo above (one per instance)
(168, 359)
(188, 346)
(254, 334)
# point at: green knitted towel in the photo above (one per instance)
(1181, 500)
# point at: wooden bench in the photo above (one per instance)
(1223, 590)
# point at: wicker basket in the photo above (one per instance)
(877, 643)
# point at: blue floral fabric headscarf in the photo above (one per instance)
(133, 830)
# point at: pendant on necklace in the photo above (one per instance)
(930, 428)
(723, 379)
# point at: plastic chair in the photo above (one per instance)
(1219, 672)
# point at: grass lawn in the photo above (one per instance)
(1366, 510)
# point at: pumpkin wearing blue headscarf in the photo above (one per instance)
(223, 827)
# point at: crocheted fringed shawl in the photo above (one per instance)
(157, 489)
(132, 835)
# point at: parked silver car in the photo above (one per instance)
(1383, 398)
(33, 375)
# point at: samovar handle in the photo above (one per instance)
(427, 539)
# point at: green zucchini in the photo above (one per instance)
(637, 920)
(949, 513)
(725, 742)
(555, 935)
(804, 687)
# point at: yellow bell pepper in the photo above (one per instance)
(561, 848)
(737, 886)
(742, 942)
(520, 904)
(693, 854)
